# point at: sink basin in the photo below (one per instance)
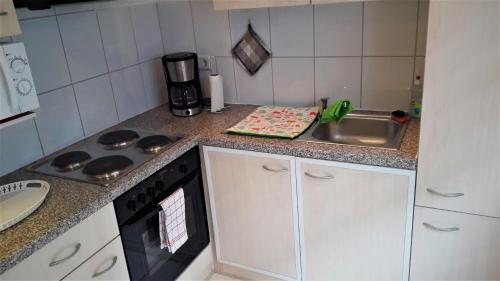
(361, 130)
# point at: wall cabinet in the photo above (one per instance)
(61, 256)
(455, 246)
(459, 158)
(253, 202)
(107, 264)
(356, 221)
(9, 24)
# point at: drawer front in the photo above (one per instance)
(58, 258)
(107, 264)
(454, 246)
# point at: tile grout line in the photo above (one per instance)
(107, 66)
(192, 25)
(232, 59)
(362, 54)
(272, 55)
(314, 53)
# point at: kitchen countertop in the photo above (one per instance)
(70, 202)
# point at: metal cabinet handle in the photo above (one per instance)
(77, 248)
(97, 274)
(433, 227)
(325, 177)
(4, 13)
(435, 192)
(279, 170)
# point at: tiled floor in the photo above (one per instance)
(220, 277)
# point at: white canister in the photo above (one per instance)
(216, 92)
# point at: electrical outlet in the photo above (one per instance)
(206, 62)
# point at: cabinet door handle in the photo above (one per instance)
(97, 274)
(56, 262)
(435, 192)
(325, 177)
(438, 228)
(4, 13)
(278, 170)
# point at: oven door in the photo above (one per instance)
(141, 241)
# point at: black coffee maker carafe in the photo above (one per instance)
(183, 83)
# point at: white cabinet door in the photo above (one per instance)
(454, 246)
(107, 264)
(248, 4)
(459, 158)
(253, 200)
(355, 221)
(58, 258)
(8, 19)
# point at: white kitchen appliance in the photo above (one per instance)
(17, 90)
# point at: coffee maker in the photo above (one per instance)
(183, 83)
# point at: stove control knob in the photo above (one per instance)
(141, 197)
(159, 186)
(183, 169)
(150, 191)
(131, 205)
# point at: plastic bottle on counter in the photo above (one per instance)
(416, 98)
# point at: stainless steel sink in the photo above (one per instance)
(359, 129)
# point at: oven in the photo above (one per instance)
(137, 213)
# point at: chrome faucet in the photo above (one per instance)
(323, 105)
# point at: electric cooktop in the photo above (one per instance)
(106, 157)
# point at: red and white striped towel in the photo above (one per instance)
(173, 231)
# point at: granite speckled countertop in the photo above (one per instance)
(69, 202)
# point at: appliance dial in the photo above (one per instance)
(18, 64)
(141, 197)
(24, 87)
(183, 169)
(159, 186)
(131, 205)
(150, 191)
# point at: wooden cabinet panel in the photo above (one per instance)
(354, 222)
(9, 24)
(253, 200)
(248, 4)
(71, 248)
(460, 132)
(108, 264)
(470, 253)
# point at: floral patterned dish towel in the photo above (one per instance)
(276, 121)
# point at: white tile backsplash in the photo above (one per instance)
(118, 37)
(58, 120)
(147, 31)
(225, 68)
(292, 32)
(83, 45)
(259, 19)
(256, 89)
(293, 81)
(176, 26)
(128, 88)
(211, 29)
(419, 68)
(155, 85)
(338, 78)
(338, 29)
(20, 145)
(387, 83)
(45, 53)
(96, 104)
(390, 28)
(316, 52)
